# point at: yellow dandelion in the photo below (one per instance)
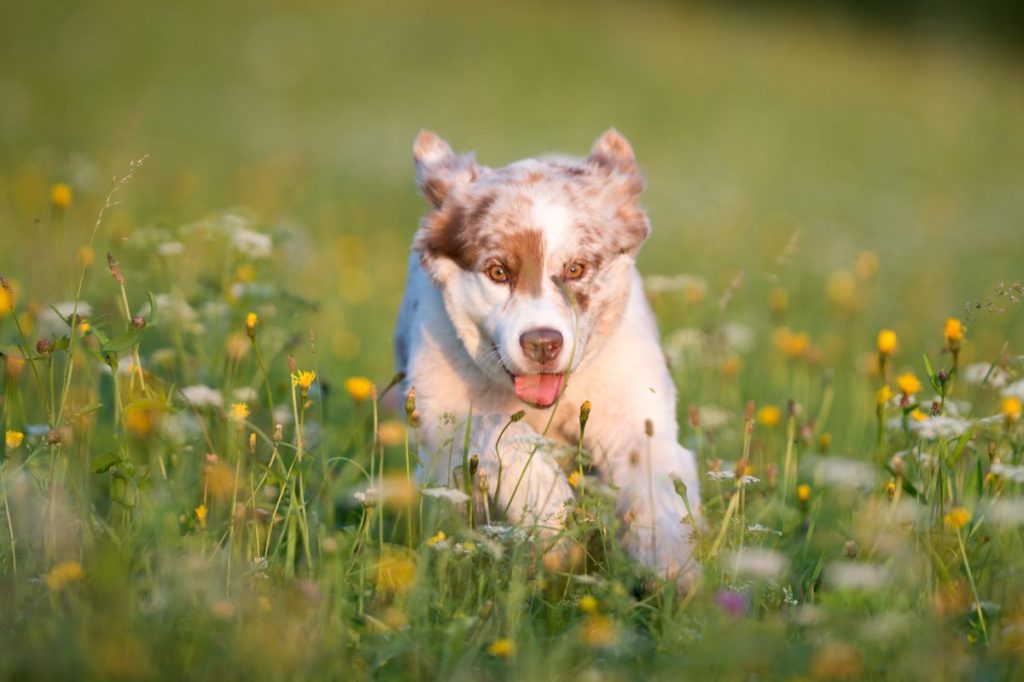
(303, 379)
(599, 632)
(502, 648)
(908, 383)
(396, 571)
(954, 332)
(84, 328)
(887, 342)
(138, 422)
(867, 264)
(360, 388)
(239, 412)
(958, 517)
(574, 479)
(201, 515)
(436, 538)
(917, 415)
(6, 302)
(1012, 409)
(770, 416)
(803, 493)
(61, 195)
(250, 324)
(588, 604)
(884, 395)
(13, 439)
(62, 574)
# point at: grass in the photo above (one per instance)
(181, 497)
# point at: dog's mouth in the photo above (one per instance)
(539, 390)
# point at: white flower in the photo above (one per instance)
(1012, 472)
(168, 249)
(738, 336)
(855, 575)
(761, 564)
(729, 475)
(1015, 390)
(1007, 513)
(201, 395)
(713, 418)
(511, 533)
(844, 472)
(252, 244)
(451, 494)
(758, 529)
(245, 394)
(976, 373)
(934, 428)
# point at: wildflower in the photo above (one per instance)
(84, 328)
(13, 439)
(201, 395)
(769, 416)
(201, 515)
(168, 249)
(588, 604)
(792, 344)
(61, 195)
(954, 333)
(252, 443)
(764, 564)
(957, 517)
(584, 413)
(391, 432)
(303, 379)
(1012, 409)
(239, 412)
(941, 427)
(917, 415)
(138, 421)
(844, 472)
(985, 374)
(731, 366)
(62, 574)
(250, 324)
(574, 479)
(599, 632)
(732, 602)
(85, 256)
(396, 571)
(866, 264)
(360, 388)
(436, 539)
(6, 298)
(883, 395)
(452, 495)
(502, 648)
(908, 384)
(887, 342)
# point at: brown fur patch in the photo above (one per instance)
(526, 249)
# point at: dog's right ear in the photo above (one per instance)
(439, 170)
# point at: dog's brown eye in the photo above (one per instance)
(574, 270)
(498, 274)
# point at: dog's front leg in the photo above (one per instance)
(659, 502)
(524, 483)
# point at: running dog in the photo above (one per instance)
(523, 294)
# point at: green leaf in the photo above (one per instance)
(153, 316)
(933, 377)
(121, 343)
(102, 463)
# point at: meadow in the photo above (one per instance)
(206, 211)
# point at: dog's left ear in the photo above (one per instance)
(439, 170)
(613, 159)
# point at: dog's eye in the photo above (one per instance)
(498, 274)
(574, 270)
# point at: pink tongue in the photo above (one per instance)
(539, 389)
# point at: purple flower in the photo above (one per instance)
(732, 602)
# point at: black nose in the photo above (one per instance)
(541, 345)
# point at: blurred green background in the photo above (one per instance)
(777, 143)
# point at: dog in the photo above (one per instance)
(522, 294)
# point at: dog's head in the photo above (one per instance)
(534, 259)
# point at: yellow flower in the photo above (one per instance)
(917, 415)
(867, 264)
(792, 344)
(62, 574)
(439, 537)
(803, 493)
(731, 366)
(391, 432)
(599, 632)
(1012, 409)
(887, 342)
(502, 648)
(958, 517)
(588, 604)
(303, 379)
(250, 324)
(85, 256)
(574, 479)
(84, 328)
(396, 571)
(61, 195)
(908, 384)
(14, 439)
(239, 412)
(954, 332)
(884, 395)
(201, 515)
(778, 300)
(6, 302)
(360, 388)
(769, 416)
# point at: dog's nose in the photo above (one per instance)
(541, 345)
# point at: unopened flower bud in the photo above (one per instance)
(53, 437)
(410, 402)
(115, 269)
(44, 346)
(584, 413)
(850, 549)
(474, 463)
(138, 322)
(278, 433)
(518, 416)
(252, 444)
